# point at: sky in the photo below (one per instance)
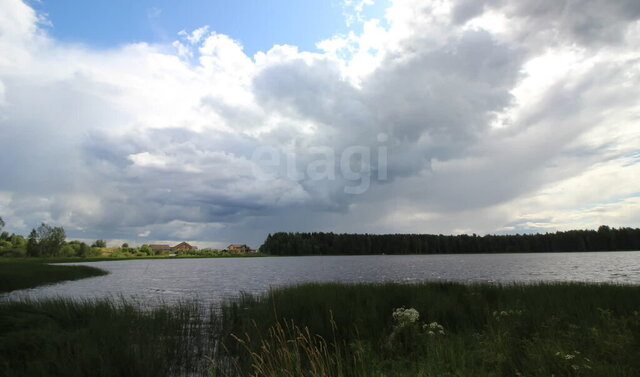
(256, 24)
(219, 122)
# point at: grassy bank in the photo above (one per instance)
(60, 337)
(446, 329)
(487, 330)
(22, 273)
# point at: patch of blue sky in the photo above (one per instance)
(634, 157)
(257, 24)
(526, 226)
(616, 199)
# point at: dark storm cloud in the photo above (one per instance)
(589, 22)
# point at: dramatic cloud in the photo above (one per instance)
(446, 116)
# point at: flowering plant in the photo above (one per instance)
(433, 328)
(404, 317)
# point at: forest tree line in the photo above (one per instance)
(604, 239)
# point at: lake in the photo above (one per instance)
(214, 279)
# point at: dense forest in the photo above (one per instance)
(604, 239)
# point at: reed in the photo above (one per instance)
(561, 329)
(62, 337)
(427, 329)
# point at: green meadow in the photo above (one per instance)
(426, 329)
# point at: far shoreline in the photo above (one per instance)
(62, 260)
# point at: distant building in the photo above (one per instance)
(160, 247)
(183, 246)
(239, 248)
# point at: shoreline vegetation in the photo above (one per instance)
(50, 242)
(24, 273)
(30, 273)
(58, 249)
(319, 243)
(331, 329)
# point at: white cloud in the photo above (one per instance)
(146, 159)
(487, 128)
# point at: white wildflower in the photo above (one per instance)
(404, 317)
(433, 328)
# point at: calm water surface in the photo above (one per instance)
(212, 280)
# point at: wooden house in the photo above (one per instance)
(183, 246)
(160, 247)
(239, 248)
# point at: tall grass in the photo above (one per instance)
(61, 337)
(289, 350)
(336, 330)
(556, 329)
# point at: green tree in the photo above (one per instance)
(67, 251)
(15, 246)
(45, 241)
(33, 248)
(146, 249)
(52, 239)
(17, 241)
(99, 243)
(4, 245)
(85, 251)
(4, 236)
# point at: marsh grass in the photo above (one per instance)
(559, 329)
(61, 337)
(29, 273)
(489, 330)
(289, 350)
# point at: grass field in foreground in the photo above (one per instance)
(25, 273)
(446, 329)
(565, 329)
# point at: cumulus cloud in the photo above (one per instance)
(455, 116)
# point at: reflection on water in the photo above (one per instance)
(214, 279)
